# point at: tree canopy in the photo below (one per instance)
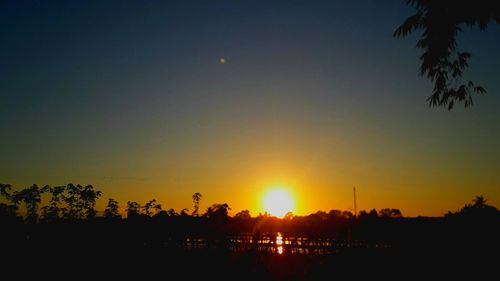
(442, 62)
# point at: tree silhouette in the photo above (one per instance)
(288, 216)
(390, 213)
(151, 208)
(88, 198)
(7, 210)
(133, 209)
(477, 208)
(172, 213)
(243, 215)
(5, 191)
(31, 197)
(184, 212)
(479, 202)
(81, 201)
(218, 221)
(196, 200)
(442, 63)
(217, 212)
(53, 211)
(111, 211)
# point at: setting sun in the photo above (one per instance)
(278, 202)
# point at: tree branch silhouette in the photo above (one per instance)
(441, 61)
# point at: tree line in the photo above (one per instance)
(64, 233)
(74, 202)
(77, 202)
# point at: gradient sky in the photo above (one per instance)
(316, 96)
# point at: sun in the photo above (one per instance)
(278, 202)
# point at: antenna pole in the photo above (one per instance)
(355, 207)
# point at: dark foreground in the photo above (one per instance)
(71, 243)
(355, 264)
(83, 254)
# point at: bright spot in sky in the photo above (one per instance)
(278, 202)
(222, 60)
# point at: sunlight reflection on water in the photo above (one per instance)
(280, 250)
(279, 242)
(279, 239)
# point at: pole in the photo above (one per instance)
(355, 207)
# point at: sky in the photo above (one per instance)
(314, 97)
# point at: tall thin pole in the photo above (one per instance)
(355, 208)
